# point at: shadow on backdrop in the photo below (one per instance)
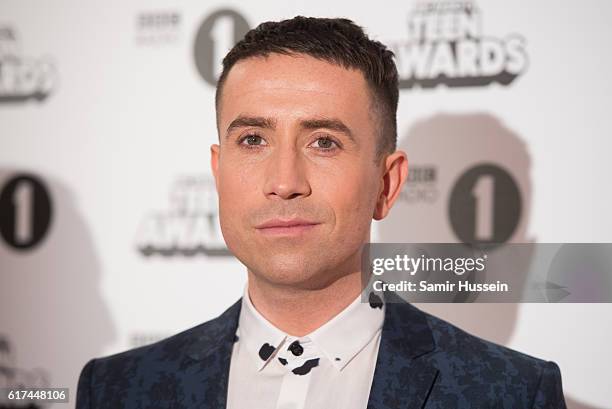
(53, 315)
(469, 181)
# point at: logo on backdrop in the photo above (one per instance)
(23, 78)
(218, 33)
(25, 211)
(189, 227)
(157, 27)
(139, 339)
(485, 205)
(447, 46)
(421, 185)
(16, 378)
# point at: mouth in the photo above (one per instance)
(291, 227)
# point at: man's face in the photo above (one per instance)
(297, 142)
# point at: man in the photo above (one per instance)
(306, 115)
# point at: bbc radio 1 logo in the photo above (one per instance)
(447, 46)
(190, 225)
(484, 202)
(23, 78)
(218, 33)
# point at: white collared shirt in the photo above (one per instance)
(332, 367)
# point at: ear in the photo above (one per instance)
(214, 163)
(393, 179)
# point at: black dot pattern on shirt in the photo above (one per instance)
(337, 359)
(375, 301)
(282, 360)
(265, 351)
(306, 367)
(296, 349)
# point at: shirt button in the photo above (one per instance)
(296, 349)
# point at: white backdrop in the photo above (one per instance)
(119, 139)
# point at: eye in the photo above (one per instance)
(252, 140)
(325, 143)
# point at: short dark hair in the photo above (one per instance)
(336, 40)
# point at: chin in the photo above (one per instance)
(311, 275)
(288, 271)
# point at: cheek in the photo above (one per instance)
(235, 201)
(235, 191)
(237, 178)
(240, 173)
(352, 195)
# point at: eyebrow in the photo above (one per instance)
(328, 123)
(333, 124)
(246, 121)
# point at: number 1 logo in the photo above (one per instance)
(25, 212)
(485, 205)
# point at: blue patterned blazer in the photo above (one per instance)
(423, 362)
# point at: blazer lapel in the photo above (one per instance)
(210, 354)
(402, 377)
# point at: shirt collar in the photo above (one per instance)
(340, 339)
(260, 337)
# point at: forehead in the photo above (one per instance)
(287, 86)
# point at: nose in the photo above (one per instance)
(286, 174)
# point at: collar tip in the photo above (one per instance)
(339, 365)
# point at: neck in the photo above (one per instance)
(298, 311)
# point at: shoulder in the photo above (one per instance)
(164, 361)
(161, 353)
(480, 367)
(453, 342)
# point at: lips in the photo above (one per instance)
(285, 223)
(286, 227)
